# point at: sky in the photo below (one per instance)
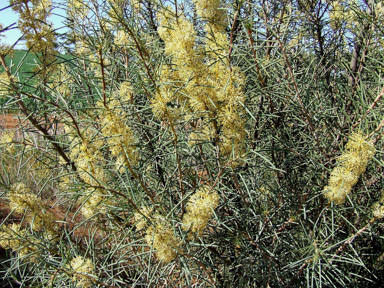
(8, 17)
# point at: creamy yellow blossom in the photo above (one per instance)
(200, 208)
(82, 48)
(119, 136)
(38, 33)
(6, 138)
(61, 81)
(22, 200)
(33, 16)
(87, 155)
(94, 202)
(17, 239)
(200, 81)
(378, 207)
(209, 9)
(83, 271)
(161, 237)
(10, 236)
(205, 133)
(378, 210)
(341, 14)
(78, 9)
(126, 91)
(141, 218)
(353, 163)
(5, 49)
(4, 84)
(122, 38)
(180, 39)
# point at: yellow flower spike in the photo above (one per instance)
(126, 91)
(162, 238)
(201, 82)
(353, 163)
(200, 208)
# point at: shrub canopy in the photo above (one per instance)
(195, 143)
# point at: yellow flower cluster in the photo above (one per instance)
(23, 201)
(179, 38)
(126, 91)
(353, 163)
(82, 272)
(141, 218)
(61, 81)
(136, 4)
(93, 204)
(95, 65)
(86, 151)
(5, 87)
(200, 81)
(4, 84)
(119, 136)
(209, 9)
(6, 138)
(77, 9)
(33, 16)
(5, 49)
(116, 10)
(15, 238)
(88, 160)
(158, 234)
(82, 48)
(65, 180)
(340, 13)
(161, 237)
(379, 9)
(86, 154)
(200, 208)
(378, 207)
(201, 134)
(122, 38)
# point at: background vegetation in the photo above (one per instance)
(206, 143)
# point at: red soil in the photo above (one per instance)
(9, 121)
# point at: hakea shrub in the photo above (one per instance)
(203, 143)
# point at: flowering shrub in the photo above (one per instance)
(204, 143)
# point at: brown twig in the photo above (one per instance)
(57, 106)
(352, 238)
(221, 172)
(103, 77)
(231, 40)
(32, 120)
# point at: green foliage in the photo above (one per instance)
(228, 144)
